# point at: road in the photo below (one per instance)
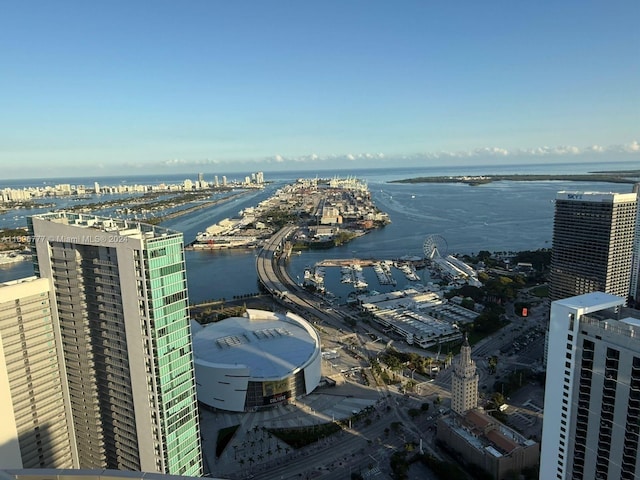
(273, 275)
(351, 450)
(354, 449)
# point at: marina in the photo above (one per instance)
(493, 221)
(383, 271)
(352, 270)
(314, 279)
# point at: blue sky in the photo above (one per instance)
(131, 87)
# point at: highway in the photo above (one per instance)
(272, 274)
(353, 449)
(341, 455)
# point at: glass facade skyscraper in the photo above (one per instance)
(122, 307)
(593, 243)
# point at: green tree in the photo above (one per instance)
(468, 303)
(493, 363)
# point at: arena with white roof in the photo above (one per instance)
(258, 360)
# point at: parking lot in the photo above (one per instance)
(525, 410)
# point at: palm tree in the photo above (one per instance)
(449, 358)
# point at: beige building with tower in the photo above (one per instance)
(464, 382)
(481, 440)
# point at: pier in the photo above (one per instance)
(346, 262)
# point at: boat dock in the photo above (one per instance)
(346, 262)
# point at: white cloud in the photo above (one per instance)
(497, 151)
(368, 158)
(567, 150)
(595, 149)
(174, 161)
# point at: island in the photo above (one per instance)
(626, 176)
(326, 212)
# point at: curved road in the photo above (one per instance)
(341, 453)
(273, 275)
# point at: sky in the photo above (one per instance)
(164, 86)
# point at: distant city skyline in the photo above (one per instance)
(123, 88)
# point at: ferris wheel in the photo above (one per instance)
(435, 246)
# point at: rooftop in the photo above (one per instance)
(125, 228)
(271, 345)
(594, 301)
(605, 197)
(484, 432)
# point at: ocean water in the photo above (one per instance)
(500, 216)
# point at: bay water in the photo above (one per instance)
(498, 216)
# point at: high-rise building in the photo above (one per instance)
(592, 394)
(121, 309)
(635, 265)
(593, 243)
(34, 431)
(464, 382)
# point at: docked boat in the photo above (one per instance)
(314, 278)
(208, 241)
(409, 271)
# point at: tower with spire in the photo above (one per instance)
(464, 381)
